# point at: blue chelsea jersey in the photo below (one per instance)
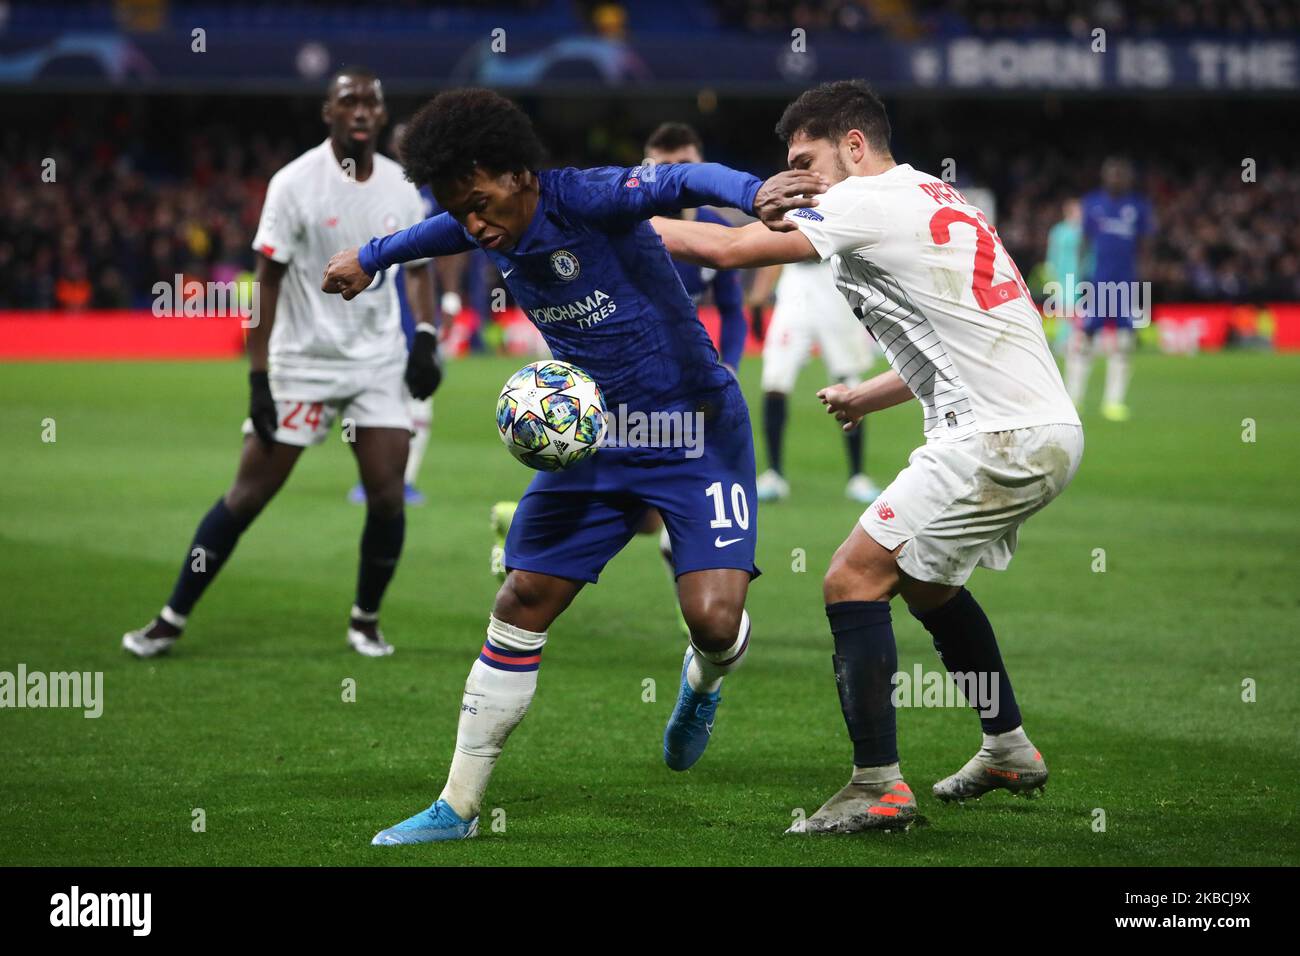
(1114, 225)
(594, 277)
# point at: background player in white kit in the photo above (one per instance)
(930, 280)
(314, 357)
(809, 311)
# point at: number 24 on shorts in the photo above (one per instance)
(311, 419)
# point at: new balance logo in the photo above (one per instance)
(883, 511)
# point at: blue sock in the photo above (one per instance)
(966, 645)
(853, 442)
(866, 659)
(381, 546)
(774, 408)
(214, 539)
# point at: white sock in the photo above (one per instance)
(421, 423)
(666, 551)
(1010, 740)
(875, 776)
(707, 668)
(497, 694)
(1118, 368)
(365, 617)
(1078, 361)
(171, 617)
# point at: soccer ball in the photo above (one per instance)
(551, 415)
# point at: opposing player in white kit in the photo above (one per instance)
(314, 357)
(809, 311)
(931, 281)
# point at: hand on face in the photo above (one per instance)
(792, 189)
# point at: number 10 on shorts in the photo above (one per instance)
(739, 506)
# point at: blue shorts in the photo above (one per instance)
(570, 523)
(1101, 314)
(1092, 324)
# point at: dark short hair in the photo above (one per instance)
(670, 137)
(461, 130)
(829, 111)
(356, 71)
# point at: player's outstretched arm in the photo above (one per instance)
(350, 272)
(850, 403)
(722, 247)
(624, 196)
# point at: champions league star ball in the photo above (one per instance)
(551, 415)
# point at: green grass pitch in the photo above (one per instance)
(1131, 680)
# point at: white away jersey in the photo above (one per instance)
(809, 289)
(312, 211)
(929, 278)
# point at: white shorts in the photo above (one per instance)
(307, 400)
(844, 344)
(960, 504)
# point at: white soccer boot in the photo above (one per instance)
(861, 489)
(772, 487)
(1020, 771)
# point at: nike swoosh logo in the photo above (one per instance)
(719, 543)
(506, 273)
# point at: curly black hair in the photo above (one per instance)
(461, 130)
(829, 111)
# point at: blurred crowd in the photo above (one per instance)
(758, 16)
(1128, 16)
(898, 17)
(133, 202)
(1216, 238)
(125, 210)
(915, 17)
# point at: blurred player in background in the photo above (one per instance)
(680, 143)
(1064, 263)
(1117, 223)
(314, 357)
(421, 410)
(1002, 437)
(578, 254)
(809, 311)
(671, 143)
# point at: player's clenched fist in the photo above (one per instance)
(791, 189)
(344, 274)
(844, 403)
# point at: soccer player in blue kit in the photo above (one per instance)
(670, 143)
(578, 254)
(1117, 224)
